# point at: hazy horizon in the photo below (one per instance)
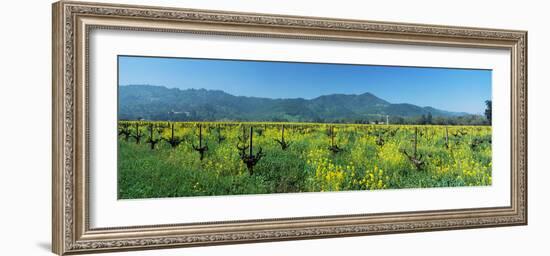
(455, 90)
(349, 94)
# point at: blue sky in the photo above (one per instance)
(461, 90)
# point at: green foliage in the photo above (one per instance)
(372, 158)
(489, 110)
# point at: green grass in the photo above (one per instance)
(307, 165)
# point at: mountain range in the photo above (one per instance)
(160, 103)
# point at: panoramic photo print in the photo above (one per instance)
(213, 127)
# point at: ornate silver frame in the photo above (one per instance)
(72, 22)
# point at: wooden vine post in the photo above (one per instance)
(173, 140)
(415, 158)
(284, 144)
(200, 148)
(250, 159)
(137, 135)
(334, 148)
(152, 140)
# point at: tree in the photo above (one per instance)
(429, 118)
(489, 111)
(397, 120)
(422, 120)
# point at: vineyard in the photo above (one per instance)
(176, 159)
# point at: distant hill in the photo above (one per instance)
(161, 103)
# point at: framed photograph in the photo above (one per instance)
(178, 127)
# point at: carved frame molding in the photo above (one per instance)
(72, 22)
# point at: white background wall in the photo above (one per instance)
(25, 148)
